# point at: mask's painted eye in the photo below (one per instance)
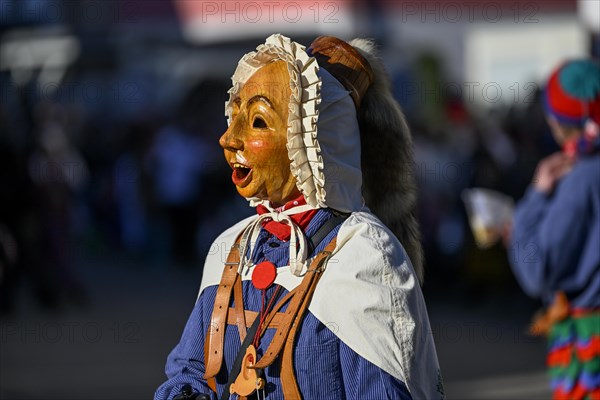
(259, 123)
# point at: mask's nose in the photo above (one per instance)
(230, 141)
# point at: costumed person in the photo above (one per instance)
(315, 297)
(555, 236)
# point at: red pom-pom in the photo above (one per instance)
(264, 275)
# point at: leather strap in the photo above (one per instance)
(288, 318)
(313, 241)
(286, 323)
(238, 309)
(237, 364)
(211, 382)
(251, 316)
(214, 343)
(298, 304)
(216, 330)
(288, 376)
(556, 312)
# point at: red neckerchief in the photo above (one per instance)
(280, 230)
(586, 144)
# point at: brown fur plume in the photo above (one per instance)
(389, 187)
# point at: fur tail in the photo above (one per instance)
(389, 186)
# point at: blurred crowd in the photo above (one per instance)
(72, 185)
(154, 186)
(459, 146)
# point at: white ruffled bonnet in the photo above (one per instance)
(323, 135)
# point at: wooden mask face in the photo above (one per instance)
(255, 142)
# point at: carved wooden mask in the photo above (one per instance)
(255, 142)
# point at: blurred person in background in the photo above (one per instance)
(218, 204)
(175, 162)
(22, 255)
(17, 229)
(555, 236)
(132, 188)
(185, 174)
(59, 174)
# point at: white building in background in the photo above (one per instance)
(493, 52)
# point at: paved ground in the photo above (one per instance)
(116, 348)
(484, 351)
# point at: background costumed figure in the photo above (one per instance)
(559, 218)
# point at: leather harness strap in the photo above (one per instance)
(288, 376)
(286, 323)
(216, 331)
(238, 309)
(302, 291)
(284, 328)
(251, 316)
(211, 382)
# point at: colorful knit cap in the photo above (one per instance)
(573, 93)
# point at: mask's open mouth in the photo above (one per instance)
(241, 174)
